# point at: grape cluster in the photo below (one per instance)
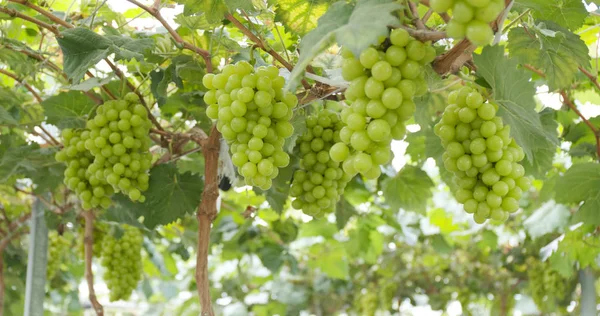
(118, 137)
(58, 249)
(546, 285)
(122, 259)
(320, 181)
(482, 156)
(383, 82)
(253, 115)
(77, 175)
(470, 18)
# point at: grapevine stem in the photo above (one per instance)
(593, 79)
(594, 129)
(88, 241)
(262, 46)
(415, 13)
(207, 211)
(425, 35)
(155, 12)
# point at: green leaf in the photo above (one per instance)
(567, 13)
(513, 92)
(440, 245)
(6, 118)
(90, 84)
(319, 227)
(442, 219)
(68, 109)
(410, 189)
(169, 197)
(27, 161)
(213, 9)
(343, 212)
(580, 184)
(234, 5)
(549, 218)
(543, 154)
(82, 49)
(355, 28)
(331, 259)
(270, 255)
(558, 55)
(127, 48)
(194, 22)
(300, 16)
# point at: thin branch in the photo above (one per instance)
(17, 14)
(427, 15)
(155, 12)
(22, 82)
(207, 211)
(537, 71)
(43, 12)
(593, 79)
(415, 13)
(594, 129)
(88, 241)
(425, 35)
(261, 45)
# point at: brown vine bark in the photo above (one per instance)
(207, 211)
(2, 286)
(88, 241)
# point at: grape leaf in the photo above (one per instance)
(514, 94)
(568, 13)
(170, 196)
(331, 259)
(68, 109)
(6, 118)
(300, 16)
(26, 160)
(558, 55)
(128, 48)
(82, 49)
(194, 22)
(343, 212)
(356, 28)
(409, 189)
(270, 255)
(581, 183)
(239, 5)
(543, 154)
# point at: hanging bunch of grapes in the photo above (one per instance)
(320, 181)
(253, 114)
(482, 155)
(383, 82)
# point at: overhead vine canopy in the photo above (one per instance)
(288, 157)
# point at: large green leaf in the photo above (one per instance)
(543, 154)
(82, 49)
(581, 183)
(410, 189)
(552, 49)
(568, 13)
(331, 259)
(355, 28)
(128, 48)
(169, 197)
(68, 109)
(514, 92)
(300, 16)
(6, 118)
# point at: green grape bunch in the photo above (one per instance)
(383, 82)
(470, 18)
(76, 176)
(253, 114)
(320, 181)
(547, 287)
(482, 155)
(119, 140)
(58, 251)
(122, 259)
